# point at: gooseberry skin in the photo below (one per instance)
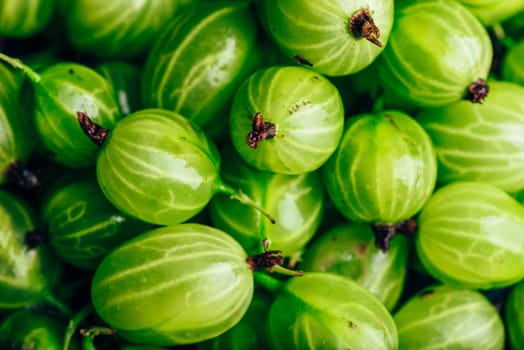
(348, 249)
(200, 60)
(490, 12)
(26, 275)
(295, 201)
(158, 166)
(16, 134)
(471, 235)
(319, 32)
(446, 317)
(306, 109)
(512, 69)
(122, 30)
(173, 285)
(24, 18)
(65, 89)
(384, 169)
(437, 48)
(481, 143)
(322, 310)
(514, 316)
(83, 226)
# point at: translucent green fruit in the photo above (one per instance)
(174, 285)
(322, 310)
(493, 11)
(348, 249)
(384, 170)
(481, 143)
(24, 18)
(26, 275)
(514, 316)
(199, 61)
(295, 201)
(512, 67)
(472, 235)
(83, 226)
(437, 49)
(446, 317)
(286, 119)
(329, 36)
(121, 30)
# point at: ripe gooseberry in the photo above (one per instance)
(286, 119)
(382, 173)
(447, 317)
(175, 285)
(335, 38)
(295, 201)
(471, 234)
(438, 53)
(158, 166)
(60, 91)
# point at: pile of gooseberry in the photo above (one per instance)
(261, 174)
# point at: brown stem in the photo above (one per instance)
(363, 26)
(477, 91)
(23, 177)
(384, 233)
(261, 130)
(95, 132)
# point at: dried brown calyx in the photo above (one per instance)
(363, 26)
(384, 233)
(269, 260)
(477, 91)
(95, 132)
(261, 130)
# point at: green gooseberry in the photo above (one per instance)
(122, 30)
(438, 53)
(126, 79)
(83, 226)
(286, 119)
(347, 249)
(176, 285)
(27, 274)
(28, 329)
(514, 316)
(295, 201)
(471, 234)
(491, 12)
(512, 69)
(335, 38)
(447, 317)
(248, 332)
(383, 172)
(481, 143)
(16, 133)
(24, 18)
(200, 60)
(322, 310)
(60, 91)
(158, 166)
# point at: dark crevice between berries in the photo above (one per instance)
(384, 233)
(477, 91)
(268, 260)
(261, 131)
(302, 61)
(95, 132)
(363, 26)
(21, 176)
(36, 238)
